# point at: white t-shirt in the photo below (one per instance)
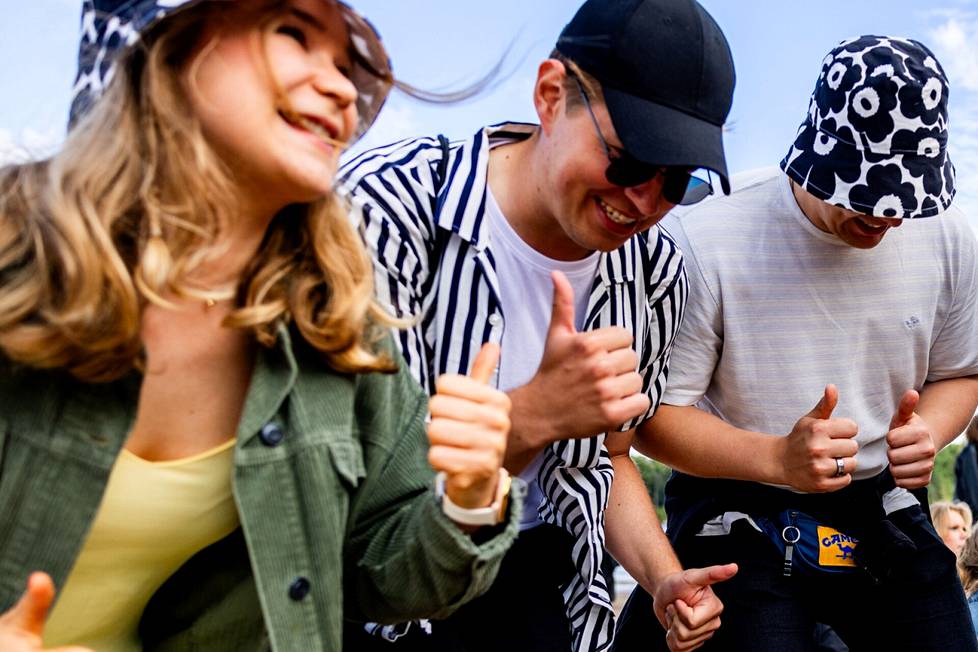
(777, 309)
(526, 297)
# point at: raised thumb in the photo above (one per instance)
(826, 405)
(31, 610)
(905, 410)
(485, 362)
(562, 316)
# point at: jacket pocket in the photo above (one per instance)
(347, 459)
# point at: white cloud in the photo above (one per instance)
(955, 41)
(29, 144)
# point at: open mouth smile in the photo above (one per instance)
(318, 127)
(871, 229)
(614, 214)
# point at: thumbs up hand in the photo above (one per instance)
(586, 383)
(468, 431)
(22, 627)
(818, 455)
(912, 449)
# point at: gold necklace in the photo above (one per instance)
(213, 297)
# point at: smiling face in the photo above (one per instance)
(855, 229)
(589, 213)
(275, 100)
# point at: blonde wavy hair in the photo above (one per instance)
(968, 564)
(137, 200)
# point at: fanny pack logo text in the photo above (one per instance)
(835, 548)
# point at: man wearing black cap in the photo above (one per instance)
(817, 284)
(542, 238)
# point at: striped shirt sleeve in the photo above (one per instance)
(393, 205)
(668, 290)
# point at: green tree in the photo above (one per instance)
(655, 475)
(941, 485)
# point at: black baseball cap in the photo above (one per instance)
(667, 75)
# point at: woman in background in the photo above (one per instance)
(968, 569)
(952, 520)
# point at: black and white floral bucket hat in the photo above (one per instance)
(875, 138)
(109, 28)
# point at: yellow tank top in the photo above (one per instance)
(154, 516)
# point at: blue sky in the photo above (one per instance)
(778, 46)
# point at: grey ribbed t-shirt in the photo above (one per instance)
(778, 309)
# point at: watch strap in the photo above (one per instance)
(490, 515)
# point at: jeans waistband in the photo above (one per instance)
(691, 500)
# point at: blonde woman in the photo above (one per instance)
(952, 520)
(204, 441)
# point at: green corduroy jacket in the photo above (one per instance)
(338, 518)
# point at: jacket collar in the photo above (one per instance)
(461, 203)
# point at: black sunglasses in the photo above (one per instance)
(679, 185)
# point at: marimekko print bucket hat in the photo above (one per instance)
(109, 28)
(875, 138)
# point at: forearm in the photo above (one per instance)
(947, 406)
(632, 529)
(695, 442)
(529, 431)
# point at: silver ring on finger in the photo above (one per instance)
(840, 467)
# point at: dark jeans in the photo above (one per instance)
(920, 606)
(524, 609)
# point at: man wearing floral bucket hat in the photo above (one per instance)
(818, 285)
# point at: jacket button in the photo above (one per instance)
(299, 588)
(271, 435)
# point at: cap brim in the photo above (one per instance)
(660, 135)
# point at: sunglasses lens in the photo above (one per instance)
(626, 172)
(674, 185)
(679, 186)
(697, 189)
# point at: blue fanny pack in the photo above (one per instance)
(809, 545)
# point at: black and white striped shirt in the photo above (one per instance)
(424, 222)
